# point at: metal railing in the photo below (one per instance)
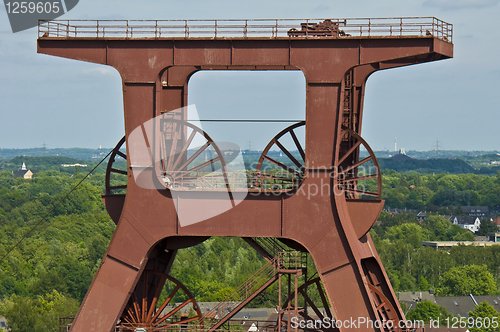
(265, 28)
(241, 293)
(270, 245)
(287, 260)
(237, 180)
(65, 323)
(292, 260)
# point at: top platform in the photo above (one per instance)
(345, 28)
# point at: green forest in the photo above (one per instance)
(47, 275)
(439, 192)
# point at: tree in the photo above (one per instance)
(438, 226)
(484, 313)
(464, 235)
(39, 314)
(426, 311)
(423, 284)
(409, 233)
(487, 226)
(457, 233)
(465, 280)
(419, 197)
(407, 282)
(389, 220)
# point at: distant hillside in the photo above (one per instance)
(77, 153)
(439, 154)
(46, 163)
(455, 162)
(43, 161)
(401, 163)
(84, 154)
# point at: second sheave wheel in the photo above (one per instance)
(357, 177)
(286, 173)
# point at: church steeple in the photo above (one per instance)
(23, 168)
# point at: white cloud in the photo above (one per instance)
(458, 4)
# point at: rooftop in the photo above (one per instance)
(462, 305)
(448, 244)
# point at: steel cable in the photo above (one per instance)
(55, 207)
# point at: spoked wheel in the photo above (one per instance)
(144, 310)
(357, 179)
(281, 174)
(187, 153)
(313, 285)
(385, 311)
(114, 168)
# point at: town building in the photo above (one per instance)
(449, 244)
(24, 172)
(476, 211)
(494, 237)
(471, 223)
(456, 305)
(421, 216)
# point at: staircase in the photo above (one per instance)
(282, 262)
(266, 246)
(348, 115)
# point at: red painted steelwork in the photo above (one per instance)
(330, 225)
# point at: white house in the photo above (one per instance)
(471, 223)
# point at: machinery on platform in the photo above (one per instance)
(166, 178)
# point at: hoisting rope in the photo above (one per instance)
(55, 207)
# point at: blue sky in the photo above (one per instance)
(66, 103)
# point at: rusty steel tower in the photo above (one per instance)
(177, 197)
